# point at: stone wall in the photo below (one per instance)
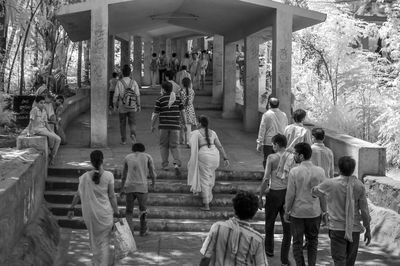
(22, 183)
(383, 191)
(74, 106)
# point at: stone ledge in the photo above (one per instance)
(383, 191)
(74, 106)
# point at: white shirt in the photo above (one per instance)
(322, 156)
(273, 121)
(120, 90)
(296, 133)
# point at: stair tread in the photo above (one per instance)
(167, 194)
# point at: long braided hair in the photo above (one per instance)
(96, 158)
(203, 120)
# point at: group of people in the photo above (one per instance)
(195, 65)
(45, 118)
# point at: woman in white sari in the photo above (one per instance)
(204, 160)
(96, 191)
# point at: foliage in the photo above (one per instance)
(5, 112)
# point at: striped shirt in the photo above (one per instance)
(233, 235)
(322, 156)
(169, 117)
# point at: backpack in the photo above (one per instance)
(129, 98)
(153, 64)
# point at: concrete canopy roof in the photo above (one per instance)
(234, 19)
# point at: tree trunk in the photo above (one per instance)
(79, 66)
(3, 37)
(12, 64)
(86, 55)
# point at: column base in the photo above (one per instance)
(230, 115)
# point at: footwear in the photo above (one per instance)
(123, 143)
(165, 168)
(205, 209)
(133, 139)
(269, 254)
(146, 233)
(178, 173)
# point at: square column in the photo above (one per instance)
(99, 59)
(168, 48)
(251, 85)
(146, 64)
(229, 104)
(174, 46)
(218, 68)
(282, 60)
(111, 52)
(137, 59)
(125, 53)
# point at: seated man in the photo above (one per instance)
(38, 125)
(234, 242)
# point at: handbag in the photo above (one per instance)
(123, 239)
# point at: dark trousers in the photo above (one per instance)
(131, 117)
(110, 99)
(142, 200)
(310, 228)
(275, 200)
(267, 149)
(344, 252)
(161, 75)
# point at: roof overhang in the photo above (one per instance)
(234, 19)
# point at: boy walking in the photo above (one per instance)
(138, 165)
(322, 156)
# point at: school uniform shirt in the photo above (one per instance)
(140, 165)
(119, 93)
(335, 191)
(299, 200)
(296, 133)
(234, 242)
(322, 156)
(38, 118)
(273, 121)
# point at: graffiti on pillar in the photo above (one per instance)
(98, 51)
(284, 80)
(283, 54)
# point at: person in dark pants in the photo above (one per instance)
(275, 198)
(273, 122)
(162, 67)
(347, 207)
(302, 209)
(137, 167)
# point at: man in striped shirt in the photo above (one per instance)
(234, 242)
(169, 111)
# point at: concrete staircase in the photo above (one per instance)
(171, 206)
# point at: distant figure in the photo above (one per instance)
(203, 64)
(138, 165)
(48, 99)
(204, 160)
(275, 198)
(347, 206)
(127, 102)
(169, 115)
(183, 73)
(273, 122)
(235, 242)
(194, 70)
(38, 125)
(296, 132)
(58, 126)
(185, 61)
(174, 64)
(163, 66)
(322, 156)
(187, 96)
(111, 89)
(98, 201)
(154, 66)
(304, 210)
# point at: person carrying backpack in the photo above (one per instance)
(127, 101)
(154, 65)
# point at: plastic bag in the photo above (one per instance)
(123, 240)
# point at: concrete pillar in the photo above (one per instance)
(200, 43)
(174, 46)
(125, 53)
(146, 64)
(168, 48)
(218, 68)
(282, 59)
(163, 44)
(111, 52)
(99, 59)
(251, 84)
(229, 103)
(137, 59)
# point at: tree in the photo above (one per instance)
(3, 37)
(79, 67)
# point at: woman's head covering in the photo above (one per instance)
(172, 99)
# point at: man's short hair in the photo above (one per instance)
(318, 133)
(154, 55)
(126, 70)
(163, 52)
(114, 74)
(184, 67)
(138, 147)
(245, 205)
(299, 115)
(60, 97)
(173, 54)
(273, 102)
(39, 98)
(280, 140)
(167, 86)
(169, 74)
(346, 165)
(305, 149)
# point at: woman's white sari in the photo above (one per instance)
(97, 214)
(203, 162)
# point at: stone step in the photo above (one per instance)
(162, 185)
(159, 199)
(221, 174)
(156, 91)
(165, 212)
(170, 225)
